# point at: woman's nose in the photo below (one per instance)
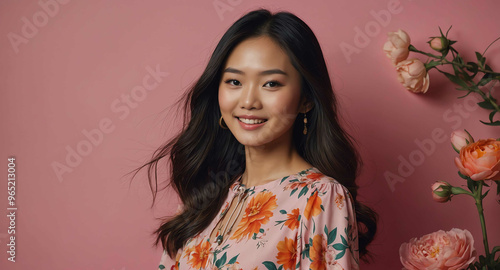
(250, 97)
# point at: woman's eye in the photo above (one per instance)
(231, 80)
(274, 84)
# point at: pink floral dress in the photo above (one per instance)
(301, 221)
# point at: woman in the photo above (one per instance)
(265, 172)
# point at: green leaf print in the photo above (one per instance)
(340, 255)
(343, 240)
(339, 246)
(303, 191)
(220, 262)
(332, 235)
(283, 211)
(233, 259)
(161, 266)
(269, 265)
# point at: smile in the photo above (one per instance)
(252, 121)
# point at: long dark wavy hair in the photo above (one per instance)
(206, 159)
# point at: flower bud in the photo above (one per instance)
(441, 191)
(459, 139)
(438, 43)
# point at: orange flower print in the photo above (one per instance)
(309, 179)
(339, 200)
(293, 219)
(258, 211)
(200, 254)
(313, 206)
(317, 253)
(287, 253)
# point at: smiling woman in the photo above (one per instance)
(289, 200)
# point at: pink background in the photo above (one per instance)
(70, 75)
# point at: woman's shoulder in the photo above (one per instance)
(311, 180)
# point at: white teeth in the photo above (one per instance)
(251, 121)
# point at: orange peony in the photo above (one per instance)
(287, 253)
(317, 253)
(313, 207)
(293, 219)
(258, 211)
(480, 160)
(199, 256)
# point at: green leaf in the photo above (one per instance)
(471, 184)
(340, 255)
(480, 59)
(496, 123)
(220, 262)
(303, 191)
(466, 94)
(283, 212)
(261, 230)
(473, 68)
(486, 105)
(462, 175)
(233, 259)
(485, 79)
(269, 265)
(455, 79)
(331, 236)
(161, 266)
(343, 240)
(432, 64)
(491, 115)
(339, 246)
(484, 195)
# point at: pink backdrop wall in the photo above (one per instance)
(69, 76)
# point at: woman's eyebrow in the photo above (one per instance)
(265, 72)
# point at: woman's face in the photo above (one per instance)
(258, 80)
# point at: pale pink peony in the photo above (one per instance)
(396, 47)
(459, 139)
(480, 160)
(413, 75)
(441, 191)
(452, 250)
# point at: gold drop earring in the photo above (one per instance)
(305, 122)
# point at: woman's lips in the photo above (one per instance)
(250, 126)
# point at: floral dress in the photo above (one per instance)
(301, 221)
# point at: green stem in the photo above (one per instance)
(445, 61)
(478, 91)
(479, 204)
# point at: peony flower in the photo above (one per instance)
(441, 191)
(460, 138)
(452, 250)
(413, 75)
(480, 160)
(396, 47)
(438, 43)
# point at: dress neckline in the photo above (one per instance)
(269, 185)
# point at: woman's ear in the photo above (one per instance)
(306, 106)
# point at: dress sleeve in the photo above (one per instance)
(328, 236)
